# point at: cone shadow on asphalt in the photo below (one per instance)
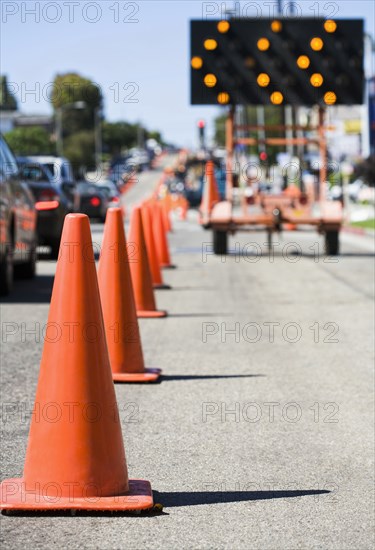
(196, 288)
(296, 253)
(181, 315)
(185, 498)
(174, 377)
(356, 255)
(178, 377)
(177, 499)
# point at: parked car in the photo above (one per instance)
(121, 169)
(334, 193)
(18, 239)
(59, 167)
(92, 201)
(62, 173)
(51, 202)
(359, 191)
(366, 194)
(110, 191)
(140, 159)
(354, 189)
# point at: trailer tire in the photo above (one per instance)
(332, 243)
(220, 242)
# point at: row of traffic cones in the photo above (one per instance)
(75, 456)
(171, 201)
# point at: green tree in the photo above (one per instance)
(7, 100)
(155, 134)
(118, 136)
(68, 89)
(79, 148)
(31, 140)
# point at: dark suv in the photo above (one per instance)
(18, 239)
(52, 202)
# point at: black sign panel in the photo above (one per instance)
(287, 61)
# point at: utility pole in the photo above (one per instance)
(59, 123)
(59, 139)
(98, 135)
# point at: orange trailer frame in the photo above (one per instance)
(272, 211)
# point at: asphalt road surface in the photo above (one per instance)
(260, 434)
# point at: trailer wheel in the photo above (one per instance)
(220, 242)
(332, 244)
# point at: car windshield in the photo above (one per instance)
(35, 172)
(51, 167)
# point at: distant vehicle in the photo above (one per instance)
(59, 167)
(335, 193)
(140, 159)
(18, 218)
(62, 174)
(354, 189)
(361, 192)
(367, 194)
(121, 170)
(220, 153)
(51, 202)
(110, 191)
(92, 201)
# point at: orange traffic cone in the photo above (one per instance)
(183, 207)
(210, 195)
(157, 281)
(161, 240)
(140, 269)
(289, 226)
(75, 457)
(210, 172)
(119, 312)
(166, 218)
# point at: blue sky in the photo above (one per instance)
(140, 46)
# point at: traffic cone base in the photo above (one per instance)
(151, 314)
(14, 496)
(149, 375)
(168, 266)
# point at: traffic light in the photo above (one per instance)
(201, 130)
(286, 61)
(263, 156)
